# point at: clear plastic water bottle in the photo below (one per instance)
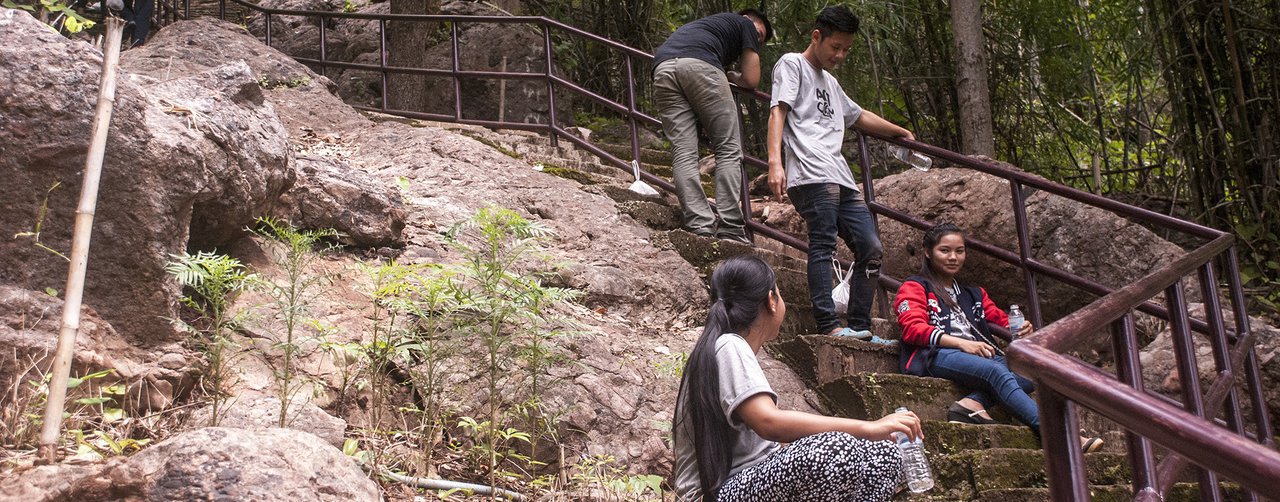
(1015, 320)
(915, 159)
(914, 464)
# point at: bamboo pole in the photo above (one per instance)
(52, 427)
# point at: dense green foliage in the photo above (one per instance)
(1170, 104)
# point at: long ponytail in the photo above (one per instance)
(739, 288)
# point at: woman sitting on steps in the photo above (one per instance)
(727, 426)
(945, 334)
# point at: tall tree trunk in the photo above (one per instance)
(407, 47)
(972, 93)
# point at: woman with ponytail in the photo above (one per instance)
(729, 433)
(946, 334)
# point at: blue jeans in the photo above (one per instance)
(831, 211)
(989, 378)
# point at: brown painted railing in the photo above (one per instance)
(1188, 429)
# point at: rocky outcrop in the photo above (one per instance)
(263, 412)
(1160, 369)
(332, 194)
(188, 154)
(208, 464)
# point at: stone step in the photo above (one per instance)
(965, 475)
(946, 438)
(873, 395)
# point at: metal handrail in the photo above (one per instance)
(1192, 433)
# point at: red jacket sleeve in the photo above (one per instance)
(993, 313)
(912, 305)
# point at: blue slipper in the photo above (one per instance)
(865, 336)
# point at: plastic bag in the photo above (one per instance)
(840, 293)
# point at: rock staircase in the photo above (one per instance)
(997, 463)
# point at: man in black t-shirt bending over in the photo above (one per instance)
(691, 87)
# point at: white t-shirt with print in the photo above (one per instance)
(814, 130)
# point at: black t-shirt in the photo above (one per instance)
(717, 39)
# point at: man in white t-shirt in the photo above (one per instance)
(809, 115)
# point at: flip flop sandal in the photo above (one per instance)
(864, 336)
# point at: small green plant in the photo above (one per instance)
(294, 251)
(64, 17)
(492, 448)
(34, 233)
(672, 365)
(211, 282)
(602, 473)
(95, 405)
(507, 306)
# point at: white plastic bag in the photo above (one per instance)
(840, 293)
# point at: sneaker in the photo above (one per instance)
(1091, 445)
(738, 238)
(957, 413)
(863, 335)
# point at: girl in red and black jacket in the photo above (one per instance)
(946, 334)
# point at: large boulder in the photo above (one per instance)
(1086, 241)
(330, 193)
(189, 157)
(208, 464)
(1160, 368)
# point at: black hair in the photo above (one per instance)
(740, 287)
(836, 19)
(755, 14)
(931, 238)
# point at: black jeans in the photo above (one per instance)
(831, 211)
(139, 13)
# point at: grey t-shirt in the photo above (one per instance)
(740, 378)
(814, 129)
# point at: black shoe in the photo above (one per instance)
(957, 413)
(738, 238)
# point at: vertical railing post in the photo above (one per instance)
(1024, 252)
(1060, 434)
(551, 84)
(324, 67)
(1189, 378)
(869, 196)
(744, 183)
(222, 10)
(1218, 342)
(631, 109)
(382, 59)
(1124, 344)
(457, 66)
(1251, 373)
(268, 20)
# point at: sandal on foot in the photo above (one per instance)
(863, 335)
(1092, 445)
(957, 413)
